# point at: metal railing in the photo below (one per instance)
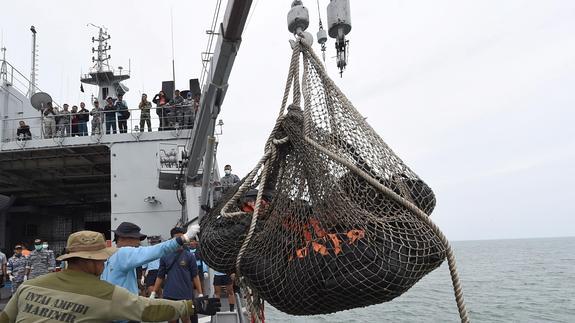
(167, 118)
(11, 76)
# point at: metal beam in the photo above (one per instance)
(214, 91)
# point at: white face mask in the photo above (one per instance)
(228, 171)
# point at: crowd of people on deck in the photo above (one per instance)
(175, 113)
(133, 282)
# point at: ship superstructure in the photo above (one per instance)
(60, 184)
(54, 185)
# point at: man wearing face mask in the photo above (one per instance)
(16, 268)
(41, 261)
(229, 180)
(78, 295)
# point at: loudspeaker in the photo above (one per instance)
(195, 87)
(168, 88)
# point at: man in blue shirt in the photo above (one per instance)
(181, 271)
(121, 267)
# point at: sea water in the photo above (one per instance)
(528, 280)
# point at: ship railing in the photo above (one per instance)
(173, 119)
(12, 77)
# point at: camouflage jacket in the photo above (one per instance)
(16, 267)
(40, 263)
(228, 181)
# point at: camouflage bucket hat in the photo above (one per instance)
(87, 245)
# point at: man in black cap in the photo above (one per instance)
(120, 268)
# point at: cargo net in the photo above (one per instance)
(330, 218)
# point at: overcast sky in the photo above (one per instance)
(477, 97)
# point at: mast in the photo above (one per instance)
(3, 67)
(32, 85)
(101, 74)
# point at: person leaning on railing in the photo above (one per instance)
(64, 121)
(74, 120)
(83, 118)
(97, 118)
(145, 107)
(23, 131)
(175, 114)
(110, 115)
(49, 120)
(123, 113)
(161, 100)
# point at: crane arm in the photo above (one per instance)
(216, 85)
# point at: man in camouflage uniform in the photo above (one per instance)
(97, 118)
(78, 295)
(16, 268)
(64, 121)
(229, 179)
(41, 261)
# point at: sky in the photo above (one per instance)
(477, 97)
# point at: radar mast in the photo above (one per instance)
(101, 74)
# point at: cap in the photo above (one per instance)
(129, 230)
(87, 245)
(177, 230)
(17, 246)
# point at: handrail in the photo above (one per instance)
(175, 118)
(17, 80)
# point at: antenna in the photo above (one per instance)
(102, 57)
(4, 66)
(173, 59)
(32, 86)
(321, 34)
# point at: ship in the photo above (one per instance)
(53, 184)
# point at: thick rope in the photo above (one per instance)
(422, 216)
(309, 55)
(255, 304)
(255, 308)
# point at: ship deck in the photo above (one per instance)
(63, 184)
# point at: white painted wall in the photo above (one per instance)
(134, 177)
(15, 106)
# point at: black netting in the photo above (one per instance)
(326, 239)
